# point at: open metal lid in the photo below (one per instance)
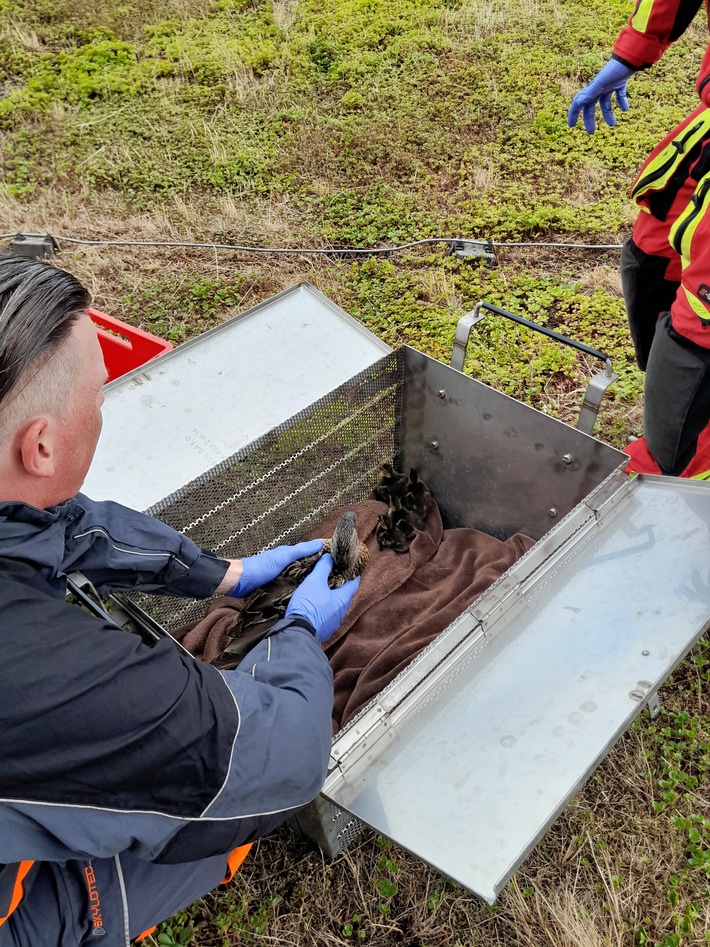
(168, 421)
(467, 765)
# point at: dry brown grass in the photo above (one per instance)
(601, 277)
(285, 12)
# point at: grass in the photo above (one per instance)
(367, 123)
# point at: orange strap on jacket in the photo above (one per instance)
(12, 890)
(147, 933)
(234, 860)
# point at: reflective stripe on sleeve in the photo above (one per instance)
(642, 14)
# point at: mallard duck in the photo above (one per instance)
(349, 554)
(267, 605)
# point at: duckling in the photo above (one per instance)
(416, 499)
(408, 507)
(393, 530)
(390, 483)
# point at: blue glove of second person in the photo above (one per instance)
(611, 78)
(322, 606)
(258, 570)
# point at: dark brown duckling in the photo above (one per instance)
(390, 483)
(416, 499)
(394, 530)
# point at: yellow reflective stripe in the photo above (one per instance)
(705, 475)
(682, 232)
(641, 15)
(697, 306)
(682, 245)
(663, 166)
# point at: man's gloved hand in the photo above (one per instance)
(611, 78)
(323, 607)
(258, 570)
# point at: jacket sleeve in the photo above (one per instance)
(651, 29)
(119, 548)
(281, 748)
(147, 750)
(289, 661)
(690, 238)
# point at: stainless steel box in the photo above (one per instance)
(467, 757)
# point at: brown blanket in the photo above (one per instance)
(404, 601)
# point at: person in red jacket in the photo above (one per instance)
(665, 264)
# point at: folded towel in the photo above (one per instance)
(404, 601)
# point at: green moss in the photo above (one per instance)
(177, 310)
(103, 67)
(375, 123)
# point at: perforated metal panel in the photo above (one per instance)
(332, 829)
(282, 485)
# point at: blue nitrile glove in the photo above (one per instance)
(610, 78)
(323, 607)
(258, 570)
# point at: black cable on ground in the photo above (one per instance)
(454, 242)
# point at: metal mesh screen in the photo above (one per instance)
(332, 829)
(282, 485)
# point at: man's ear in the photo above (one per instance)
(36, 448)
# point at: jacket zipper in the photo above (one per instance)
(697, 201)
(679, 145)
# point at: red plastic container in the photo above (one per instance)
(125, 347)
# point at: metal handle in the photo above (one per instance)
(597, 384)
(124, 614)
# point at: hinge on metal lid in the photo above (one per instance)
(360, 736)
(496, 602)
(654, 704)
(643, 692)
(610, 492)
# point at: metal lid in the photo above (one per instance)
(168, 421)
(469, 769)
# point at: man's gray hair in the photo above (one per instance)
(39, 305)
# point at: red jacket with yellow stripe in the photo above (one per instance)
(682, 158)
(652, 27)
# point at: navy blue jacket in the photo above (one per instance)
(112, 746)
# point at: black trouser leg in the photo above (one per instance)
(677, 397)
(647, 293)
